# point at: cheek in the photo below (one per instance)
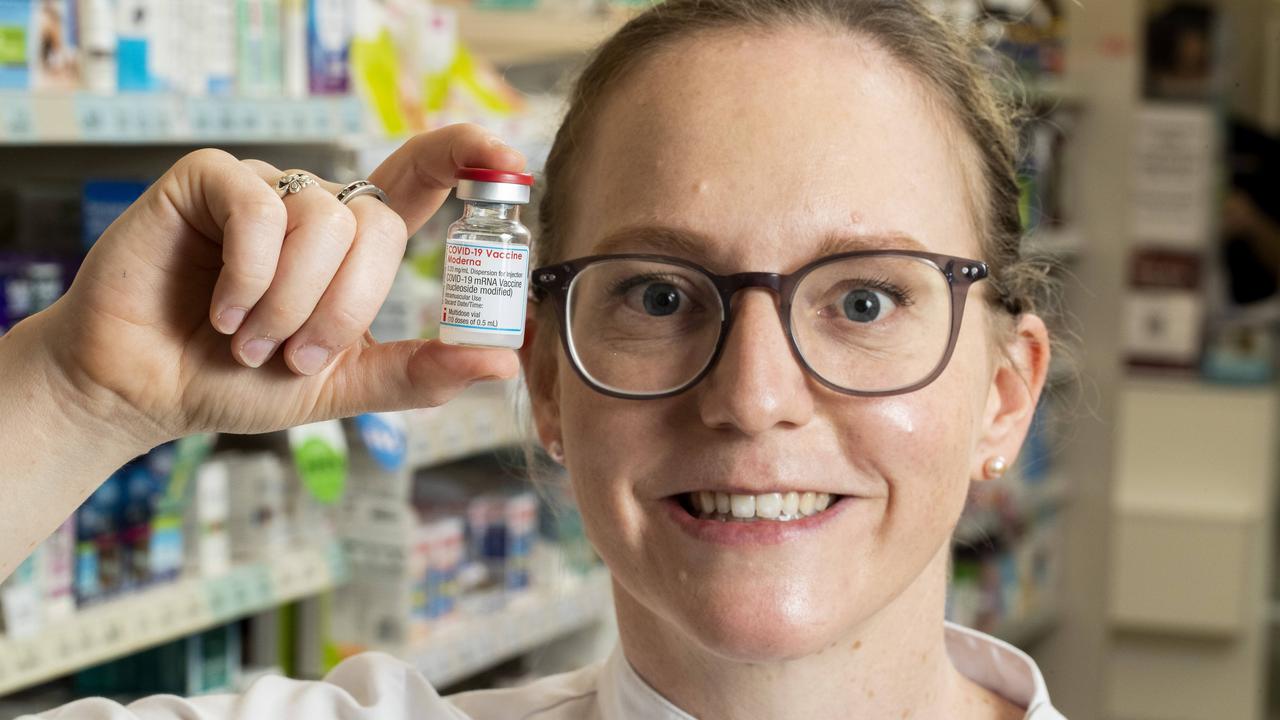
(603, 447)
(920, 444)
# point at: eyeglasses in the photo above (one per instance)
(866, 323)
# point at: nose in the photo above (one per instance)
(757, 383)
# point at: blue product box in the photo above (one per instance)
(102, 201)
(133, 48)
(17, 43)
(329, 27)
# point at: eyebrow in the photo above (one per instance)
(667, 240)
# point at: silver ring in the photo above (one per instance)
(291, 183)
(361, 187)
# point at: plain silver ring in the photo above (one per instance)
(293, 182)
(361, 187)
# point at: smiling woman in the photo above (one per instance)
(781, 325)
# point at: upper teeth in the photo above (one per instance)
(771, 506)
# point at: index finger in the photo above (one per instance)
(417, 177)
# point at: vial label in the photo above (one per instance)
(485, 286)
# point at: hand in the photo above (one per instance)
(214, 305)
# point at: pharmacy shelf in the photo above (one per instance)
(166, 612)
(470, 424)
(520, 37)
(458, 648)
(160, 119)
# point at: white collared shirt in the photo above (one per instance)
(374, 686)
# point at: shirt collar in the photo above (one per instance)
(991, 663)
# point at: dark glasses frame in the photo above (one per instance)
(555, 281)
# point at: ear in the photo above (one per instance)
(540, 362)
(1016, 385)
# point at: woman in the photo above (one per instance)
(774, 494)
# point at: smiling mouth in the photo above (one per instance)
(777, 507)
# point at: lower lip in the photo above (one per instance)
(757, 532)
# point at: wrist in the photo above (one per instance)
(66, 406)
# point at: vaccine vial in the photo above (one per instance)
(486, 261)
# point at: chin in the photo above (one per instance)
(759, 624)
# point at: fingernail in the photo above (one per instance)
(256, 351)
(229, 320)
(310, 359)
(495, 141)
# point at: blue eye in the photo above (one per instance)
(866, 306)
(661, 299)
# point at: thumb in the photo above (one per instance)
(413, 374)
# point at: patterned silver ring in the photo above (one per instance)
(361, 187)
(295, 182)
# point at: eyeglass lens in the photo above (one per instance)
(865, 324)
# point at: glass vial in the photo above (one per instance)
(486, 261)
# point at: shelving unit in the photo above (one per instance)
(166, 612)
(468, 425)
(156, 119)
(514, 37)
(461, 647)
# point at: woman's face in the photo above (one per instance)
(764, 150)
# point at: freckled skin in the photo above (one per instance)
(706, 625)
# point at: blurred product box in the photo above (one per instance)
(259, 63)
(28, 286)
(203, 663)
(435, 562)
(330, 24)
(56, 60)
(17, 43)
(259, 525)
(1164, 310)
(20, 598)
(209, 546)
(101, 202)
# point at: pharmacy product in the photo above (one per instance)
(17, 43)
(101, 202)
(210, 549)
(486, 267)
(57, 57)
(133, 46)
(259, 518)
(20, 598)
(329, 27)
(293, 46)
(217, 40)
(521, 513)
(98, 46)
(58, 576)
(259, 60)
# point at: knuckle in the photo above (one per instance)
(267, 210)
(250, 270)
(205, 157)
(385, 228)
(258, 166)
(340, 221)
(343, 324)
(280, 319)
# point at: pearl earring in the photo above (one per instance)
(556, 451)
(995, 467)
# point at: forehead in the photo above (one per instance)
(768, 144)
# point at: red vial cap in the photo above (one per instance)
(493, 176)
